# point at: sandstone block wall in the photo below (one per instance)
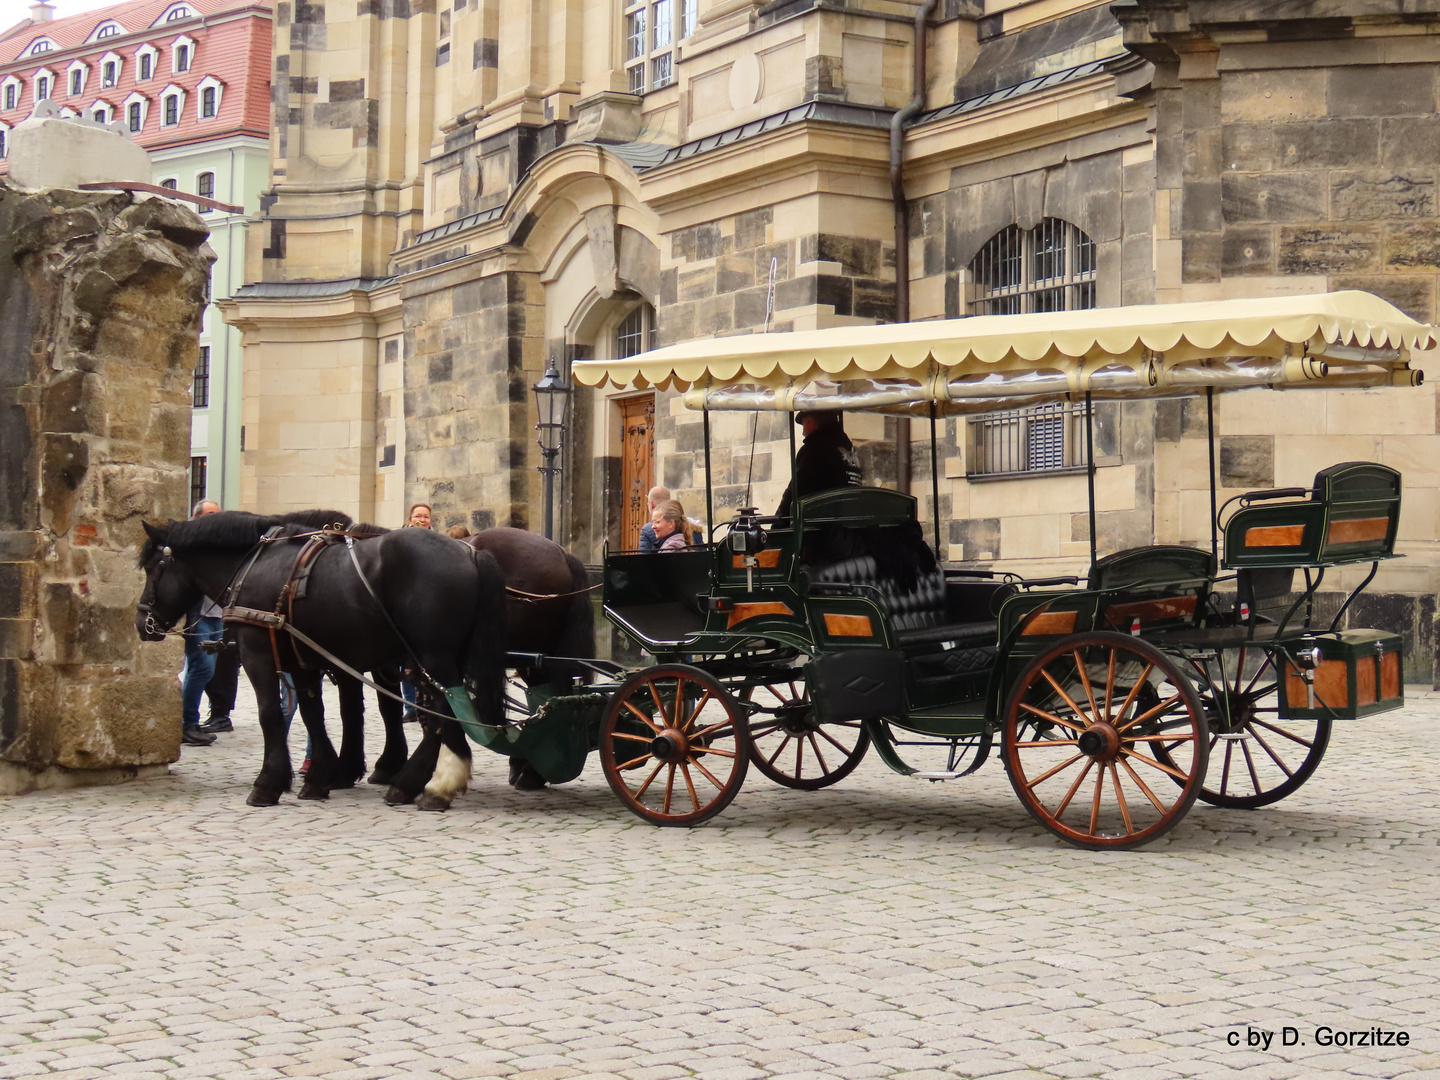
(100, 300)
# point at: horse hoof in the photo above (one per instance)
(261, 797)
(523, 776)
(398, 797)
(433, 803)
(381, 776)
(343, 784)
(314, 792)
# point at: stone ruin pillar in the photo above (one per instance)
(100, 303)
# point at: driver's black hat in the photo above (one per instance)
(824, 415)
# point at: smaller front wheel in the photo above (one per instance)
(674, 745)
(1105, 741)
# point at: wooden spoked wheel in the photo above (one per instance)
(791, 747)
(1256, 757)
(1095, 730)
(674, 745)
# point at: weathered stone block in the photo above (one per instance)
(1200, 257)
(1381, 90)
(1247, 461)
(1247, 197)
(1201, 207)
(1329, 249)
(1409, 142)
(1248, 147)
(1380, 196)
(1248, 251)
(1326, 144)
(1413, 246)
(1273, 96)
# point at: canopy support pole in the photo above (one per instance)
(1090, 467)
(1210, 434)
(935, 481)
(709, 495)
(794, 495)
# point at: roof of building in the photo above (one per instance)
(233, 51)
(136, 16)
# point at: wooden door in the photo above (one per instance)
(637, 465)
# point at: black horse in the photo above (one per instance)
(548, 612)
(435, 604)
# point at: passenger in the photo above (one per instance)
(672, 528)
(457, 532)
(419, 516)
(648, 541)
(825, 461)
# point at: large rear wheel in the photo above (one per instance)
(674, 745)
(1256, 756)
(1095, 730)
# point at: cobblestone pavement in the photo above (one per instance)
(883, 928)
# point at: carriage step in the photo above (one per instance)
(937, 774)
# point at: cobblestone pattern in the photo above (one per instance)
(884, 928)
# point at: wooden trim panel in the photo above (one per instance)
(1049, 622)
(1358, 530)
(837, 625)
(1275, 536)
(768, 559)
(743, 612)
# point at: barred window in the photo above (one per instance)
(200, 388)
(1048, 268)
(1020, 271)
(205, 188)
(198, 479)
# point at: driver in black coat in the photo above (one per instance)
(826, 460)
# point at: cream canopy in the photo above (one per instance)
(1343, 340)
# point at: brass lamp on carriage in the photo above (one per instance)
(552, 397)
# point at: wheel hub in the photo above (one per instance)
(1100, 741)
(795, 719)
(670, 746)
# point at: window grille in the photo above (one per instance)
(147, 65)
(636, 333)
(172, 109)
(182, 58)
(198, 486)
(135, 124)
(12, 96)
(172, 184)
(42, 89)
(200, 389)
(1041, 439)
(2, 144)
(205, 187)
(107, 31)
(207, 102)
(1048, 268)
(77, 82)
(101, 117)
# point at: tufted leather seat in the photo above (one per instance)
(917, 616)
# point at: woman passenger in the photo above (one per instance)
(672, 528)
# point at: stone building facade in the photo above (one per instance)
(462, 191)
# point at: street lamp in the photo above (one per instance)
(552, 395)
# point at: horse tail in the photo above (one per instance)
(577, 635)
(485, 653)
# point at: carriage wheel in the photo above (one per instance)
(1090, 758)
(674, 745)
(791, 747)
(1256, 757)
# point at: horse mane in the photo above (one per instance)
(232, 530)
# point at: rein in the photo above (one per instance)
(538, 598)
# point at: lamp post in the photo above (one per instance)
(552, 396)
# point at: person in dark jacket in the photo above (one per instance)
(826, 460)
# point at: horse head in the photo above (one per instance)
(170, 588)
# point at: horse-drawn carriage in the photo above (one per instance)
(1169, 673)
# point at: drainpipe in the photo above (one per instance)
(902, 217)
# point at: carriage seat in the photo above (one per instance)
(920, 616)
